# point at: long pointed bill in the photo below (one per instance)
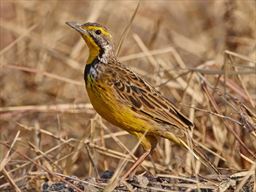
(76, 26)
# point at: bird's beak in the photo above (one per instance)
(77, 27)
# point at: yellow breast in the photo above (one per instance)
(107, 105)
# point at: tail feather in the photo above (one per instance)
(193, 148)
(199, 155)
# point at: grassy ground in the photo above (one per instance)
(199, 54)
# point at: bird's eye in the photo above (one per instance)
(98, 32)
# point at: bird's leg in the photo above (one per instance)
(148, 142)
(136, 164)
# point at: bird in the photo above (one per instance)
(124, 99)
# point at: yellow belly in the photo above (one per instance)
(117, 113)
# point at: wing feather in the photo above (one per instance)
(146, 100)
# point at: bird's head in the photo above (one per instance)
(97, 38)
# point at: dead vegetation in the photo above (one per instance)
(199, 54)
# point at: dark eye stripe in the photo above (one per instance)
(98, 44)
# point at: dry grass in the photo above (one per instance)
(199, 54)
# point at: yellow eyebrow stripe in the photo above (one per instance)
(94, 28)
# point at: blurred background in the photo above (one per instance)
(180, 47)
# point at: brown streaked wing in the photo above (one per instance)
(144, 99)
